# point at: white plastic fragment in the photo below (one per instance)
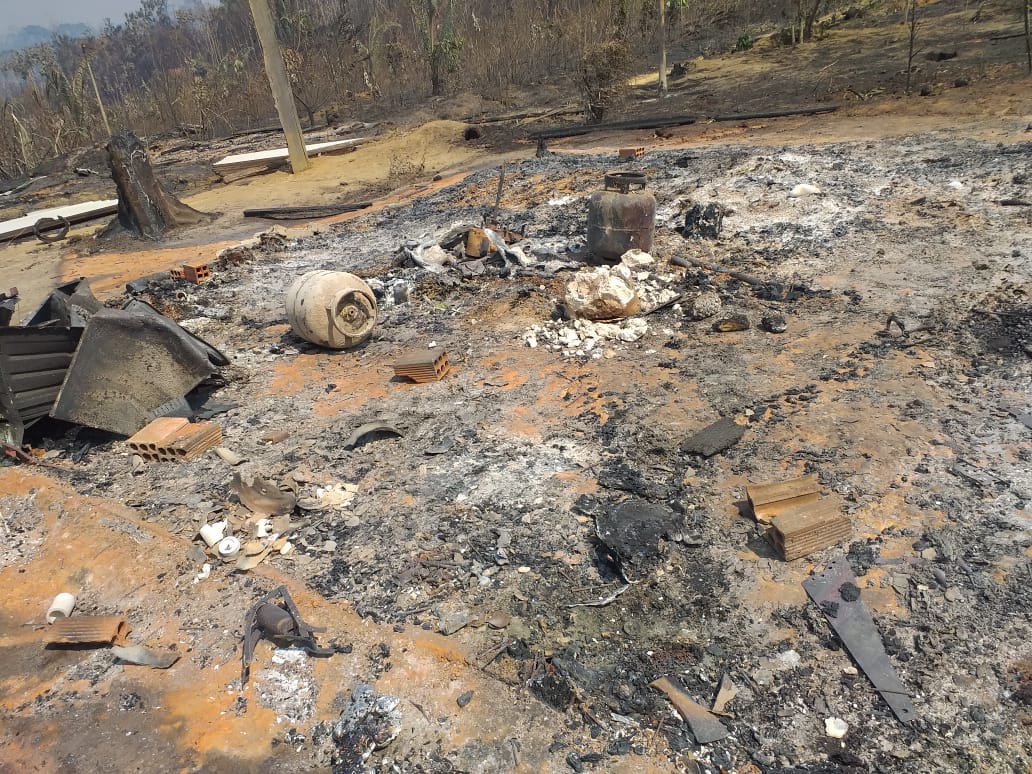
(804, 189)
(61, 607)
(204, 573)
(836, 728)
(229, 547)
(212, 534)
(228, 456)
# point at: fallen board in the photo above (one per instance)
(73, 213)
(662, 122)
(301, 213)
(279, 155)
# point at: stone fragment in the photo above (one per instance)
(706, 304)
(738, 322)
(603, 293)
(774, 323)
(637, 260)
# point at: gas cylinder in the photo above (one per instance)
(621, 217)
(333, 309)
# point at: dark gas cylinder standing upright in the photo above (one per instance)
(619, 220)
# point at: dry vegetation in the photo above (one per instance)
(200, 70)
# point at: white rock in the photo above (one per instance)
(637, 260)
(836, 728)
(569, 338)
(633, 330)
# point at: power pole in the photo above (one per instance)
(281, 92)
(662, 48)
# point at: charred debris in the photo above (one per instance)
(616, 254)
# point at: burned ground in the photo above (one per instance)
(483, 512)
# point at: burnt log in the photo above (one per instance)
(144, 207)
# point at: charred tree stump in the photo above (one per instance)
(144, 207)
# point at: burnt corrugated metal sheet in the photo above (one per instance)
(33, 365)
(129, 367)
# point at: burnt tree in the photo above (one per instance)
(144, 207)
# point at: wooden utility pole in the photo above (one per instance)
(281, 93)
(1028, 33)
(662, 48)
(96, 92)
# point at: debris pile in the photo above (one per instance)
(602, 303)
(582, 531)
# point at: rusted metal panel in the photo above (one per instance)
(835, 592)
(80, 629)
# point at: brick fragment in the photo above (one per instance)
(197, 272)
(774, 497)
(808, 528)
(423, 366)
(173, 438)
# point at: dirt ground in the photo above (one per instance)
(484, 511)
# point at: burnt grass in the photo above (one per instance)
(444, 533)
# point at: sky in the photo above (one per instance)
(15, 14)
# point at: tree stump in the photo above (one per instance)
(144, 207)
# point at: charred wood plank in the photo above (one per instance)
(313, 211)
(660, 122)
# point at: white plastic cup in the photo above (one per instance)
(61, 607)
(229, 547)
